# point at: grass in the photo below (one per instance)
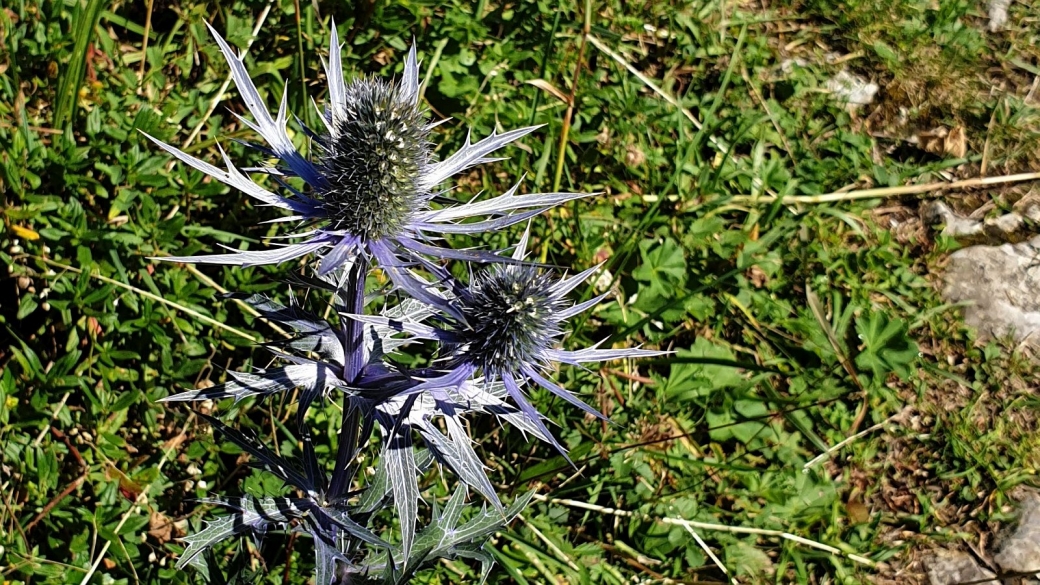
(797, 321)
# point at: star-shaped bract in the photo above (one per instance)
(371, 180)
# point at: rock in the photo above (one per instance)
(954, 226)
(996, 230)
(1020, 553)
(1000, 285)
(852, 89)
(998, 14)
(948, 567)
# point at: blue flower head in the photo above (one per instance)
(509, 333)
(370, 180)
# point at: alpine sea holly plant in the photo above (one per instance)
(370, 194)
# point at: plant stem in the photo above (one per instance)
(352, 293)
(302, 56)
(566, 129)
(883, 192)
(144, 41)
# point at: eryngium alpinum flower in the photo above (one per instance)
(513, 321)
(370, 179)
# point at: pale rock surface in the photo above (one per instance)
(998, 14)
(852, 89)
(995, 230)
(1020, 553)
(947, 567)
(1000, 284)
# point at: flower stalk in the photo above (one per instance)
(353, 334)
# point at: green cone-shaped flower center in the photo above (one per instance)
(510, 310)
(373, 161)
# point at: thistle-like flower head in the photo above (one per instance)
(372, 159)
(370, 179)
(512, 316)
(511, 322)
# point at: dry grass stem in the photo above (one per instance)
(692, 524)
(723, 147)
(227, 83)
(889, 191)
(154, 297)
(826, 454)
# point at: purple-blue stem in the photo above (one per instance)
(354, 300)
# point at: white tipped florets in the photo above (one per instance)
(373, 160)
(511, 311)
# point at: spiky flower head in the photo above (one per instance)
(372, 159)
(509, 332)
(370, 179)
(511, 311)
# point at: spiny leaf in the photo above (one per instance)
(247, 514)
(379, 486)
(271, 461)
(404, 484)
(443, 538)
(456, 453)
